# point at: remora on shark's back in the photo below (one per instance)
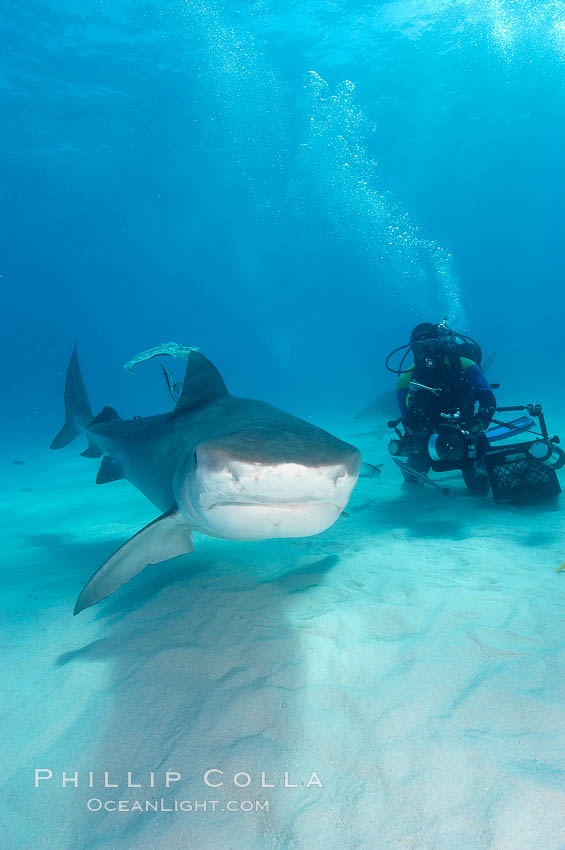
(228, 467)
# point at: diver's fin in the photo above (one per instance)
(108, 471)
(509, 429)
(203, 384)
(92, 450)
(445, 491)
(77, 406)
(107, 414)
(166, 537)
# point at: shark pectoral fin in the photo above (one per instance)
(108, 471)
(166, 537)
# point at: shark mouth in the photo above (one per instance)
(287, 505)
(235, 520)
(283, 485)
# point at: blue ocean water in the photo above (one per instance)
(290, 187)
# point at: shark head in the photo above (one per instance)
(276, 477)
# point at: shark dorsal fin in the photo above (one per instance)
(203, 384)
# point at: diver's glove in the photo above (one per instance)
(482, 419)
(415, 421)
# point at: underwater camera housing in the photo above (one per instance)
(450, 445)
(447, 448)
(518, 472)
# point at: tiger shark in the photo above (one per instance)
(229, 467)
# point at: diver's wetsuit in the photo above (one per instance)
(463, 384)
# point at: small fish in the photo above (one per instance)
(370, 470)
(18, 462)
(561, 568)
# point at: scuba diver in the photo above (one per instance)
(444, 385)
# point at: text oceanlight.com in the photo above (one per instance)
(95, 804)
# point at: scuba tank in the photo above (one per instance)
(460, 344)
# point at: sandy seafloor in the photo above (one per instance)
(413, 656)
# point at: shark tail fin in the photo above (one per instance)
(78, 412)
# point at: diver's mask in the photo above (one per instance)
(430, 344)
(427, 348)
